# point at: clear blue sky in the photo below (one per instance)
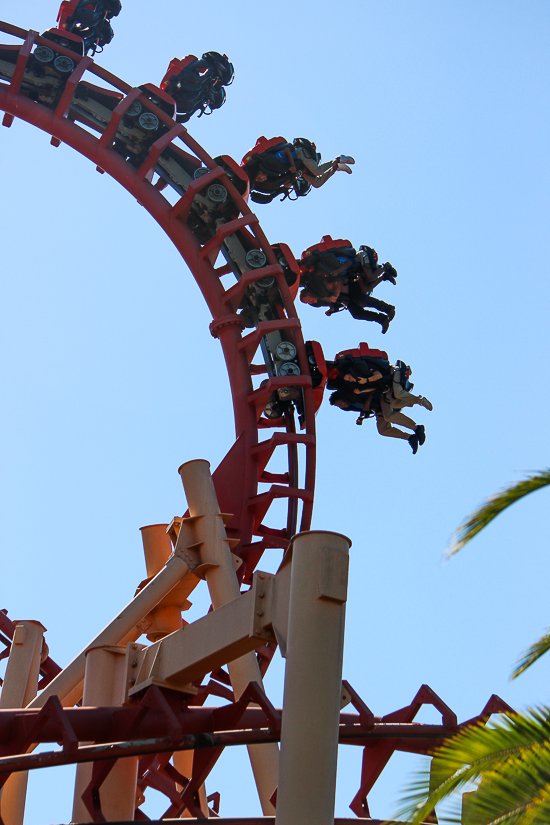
(111, 379)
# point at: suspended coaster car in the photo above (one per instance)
(269, 177)
(328, 244)
(197, 84)
(89, 20)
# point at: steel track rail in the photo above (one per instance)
(249, 456)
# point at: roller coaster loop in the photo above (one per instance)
(129, 134)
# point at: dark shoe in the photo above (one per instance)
(390, 272)
(420, 434)
(391, 313)
(385, 323)
(413, 441)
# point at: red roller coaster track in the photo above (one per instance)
(248, 457)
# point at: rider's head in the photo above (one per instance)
(336, 400)
(368, 257)
(307, 297)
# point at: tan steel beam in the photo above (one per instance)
(313, 679)
(104, 685)
(183, 763)
(209, 643)
(68, 685)
(219, 570)
(165, 618)
(122, 628)
(20, 684)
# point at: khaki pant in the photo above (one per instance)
(319, 173)
(390, 416)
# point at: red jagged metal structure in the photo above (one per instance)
(209, 217)
(162, 724)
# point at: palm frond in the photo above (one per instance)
(513, 793)
(510, 763)
(531, 655)
(494, 506)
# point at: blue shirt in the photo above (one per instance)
(283, 158)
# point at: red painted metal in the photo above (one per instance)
(165, 721)
(226, 326)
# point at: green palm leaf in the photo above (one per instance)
(494, 506)
(510, 763)
(516, 792)
(531, 655)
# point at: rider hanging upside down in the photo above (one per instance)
(336, 276)
(358, 378)
(197, 85)
(397, 396)
(276, 167)
(89, 19)
(365, 382)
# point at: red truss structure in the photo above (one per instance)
(170, 163)
(162, 723)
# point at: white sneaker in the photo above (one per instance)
(345, 159)
(343, 167)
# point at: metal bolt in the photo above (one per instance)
(134, 663)
(260, 613)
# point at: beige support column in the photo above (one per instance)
(224, 587)
(183, 762)
(18, 690)
(158, 548)
(104, 685)
(165, 618)
(120, 630)
(313, 679)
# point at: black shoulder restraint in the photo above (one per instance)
(307, 146)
